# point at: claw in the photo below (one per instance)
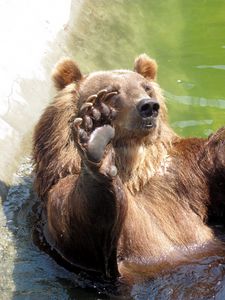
(101, 96)
(110, 95)
(92, 98)
(77, 122)
(101, 93)
(85, 106)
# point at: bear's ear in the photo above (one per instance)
(66, 71)
(146, 66)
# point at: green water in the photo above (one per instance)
(187, 38)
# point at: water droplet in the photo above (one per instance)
(218, 283)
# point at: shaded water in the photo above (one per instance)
(188, 40)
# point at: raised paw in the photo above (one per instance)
(96, 107)
(93, 126)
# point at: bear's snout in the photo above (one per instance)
(148, 107)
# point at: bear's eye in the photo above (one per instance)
(147, 88)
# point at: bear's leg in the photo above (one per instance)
(212, 162)
(98, 200)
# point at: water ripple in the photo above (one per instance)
(197, 101)
(218, 67)
(190, 123)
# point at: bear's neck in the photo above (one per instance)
(138, 162)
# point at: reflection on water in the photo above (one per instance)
(187, 39)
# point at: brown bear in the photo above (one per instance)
(120, 190)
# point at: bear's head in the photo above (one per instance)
(139, 102)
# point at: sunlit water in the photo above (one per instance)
(188, 40)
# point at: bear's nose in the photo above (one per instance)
(148, 108)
